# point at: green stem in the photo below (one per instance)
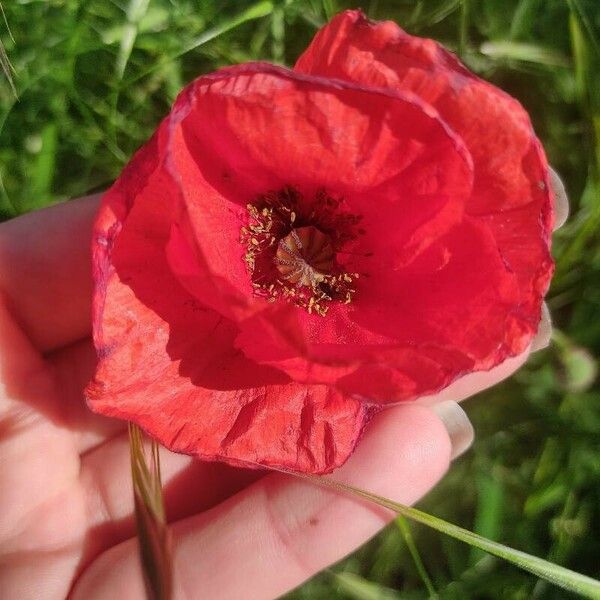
(463, 39)
(560, 576)
(404, 528)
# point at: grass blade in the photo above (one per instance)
(256, 11)
(576, 7)
(278, 34)
(135, 12)
(404, 528)
(463, 32)
(560, 576)
(253, 12)
(360, 589)
(153, 534)
(524, 17)
(4, 61)
(42, 176)
(330, 7)
(528, 53)
(490, 508)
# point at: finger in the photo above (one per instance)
(473, 383)
(280, 531)
(561, 200)
(544, 333)
(189, 486)
(45, 268)
(460, 430)
(73, 367)
(52, 388)
(45, 272)
(476, 382)
(31, 444)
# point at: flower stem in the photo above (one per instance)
(153, 533)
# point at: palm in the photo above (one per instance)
(66, 508)
(45, 509)
(69, 495)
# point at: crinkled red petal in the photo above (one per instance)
(396, 166)
(169, 364)
(247, 130)
(452, 187)
(453, 310)
(511, 193)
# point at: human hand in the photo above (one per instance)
(66, 506)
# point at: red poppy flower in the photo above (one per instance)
(294, 249)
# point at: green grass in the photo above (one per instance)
(95, 77)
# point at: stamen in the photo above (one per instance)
(291, 249)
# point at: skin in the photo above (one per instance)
(66, 524)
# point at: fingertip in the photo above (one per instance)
(45, 271)
(458, 425)
(281, 530)
(405, 450)
(561, 200)
(116, 569)
(544, 333)
(475, 382)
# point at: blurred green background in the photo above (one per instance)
(94, 77)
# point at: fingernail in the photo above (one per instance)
(457, 424)
(544, 333)
(561, 200)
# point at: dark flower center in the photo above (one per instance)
(292, 247)
(305, 256)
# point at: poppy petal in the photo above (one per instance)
(454, 309)
(169, 364)
(269, 129)
(511, 191)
